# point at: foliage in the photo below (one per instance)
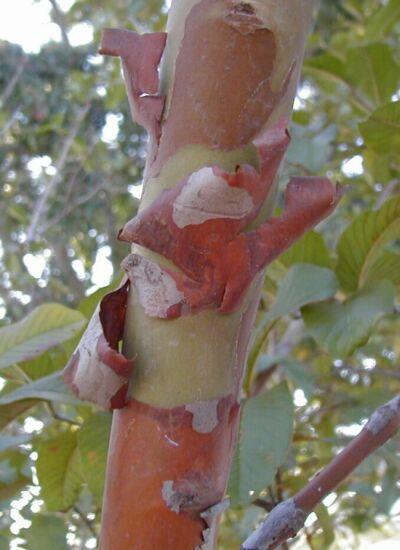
(326, 347)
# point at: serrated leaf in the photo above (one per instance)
(49, 388)
(310, 249)
(341, 328)
(303, 284)
(363, 242)
(266, 428)
(59, 471)
(93, 440)
(45, 327)
(47, 532)
(381, 131)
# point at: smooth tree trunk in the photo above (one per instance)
(217, 119)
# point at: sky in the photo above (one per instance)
(27, 22)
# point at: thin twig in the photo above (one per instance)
(59, 417)
(8, 90)
(60, 21)
(41, 204)
(289, 516)
(86, 521)
(67, 210)
(386, 192)
(7, 126)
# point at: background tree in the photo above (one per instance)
(67, 185)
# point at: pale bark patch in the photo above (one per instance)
(207, 196)
(95, 380)
(205, 415)
(210, 516)
(156, 289)
(285, 514)
(383, 416)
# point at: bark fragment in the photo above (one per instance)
(97, 371)
(211, 516)
(205, 415)
(206, 237)
(140, 55)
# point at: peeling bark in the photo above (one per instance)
(217, 122)
(97, 371)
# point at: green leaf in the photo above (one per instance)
(4, 543)
(45, 364)
(11, 441)
(10, 411)
(47, 532)
(300, 375)
(310, 249)
(88, 304)
(362, 244)
(372, 69)
(93, 440)
(14, 474)
(59, 471)
(383, 20)
(311, 149)
(303, 284)
(326, 67)
(326, 523)
(49, 388)
(387, 266)
(266, 428)
(45, 327)
(381, 131)
(341, 328)
(390, 491)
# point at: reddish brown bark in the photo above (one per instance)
(168, 473)
(218, 131)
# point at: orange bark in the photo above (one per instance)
(150, 449)
(225, 78)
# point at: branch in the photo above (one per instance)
(289, 516)
(59, 20)
(387, 192)
(41, 204)
(68, 209)
(8, 90)
(86, 521)
(8, 124)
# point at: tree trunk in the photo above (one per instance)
(217, 125)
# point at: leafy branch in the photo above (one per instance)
(286, 519)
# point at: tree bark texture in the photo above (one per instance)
(217, 119)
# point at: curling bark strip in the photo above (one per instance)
(217, 122)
